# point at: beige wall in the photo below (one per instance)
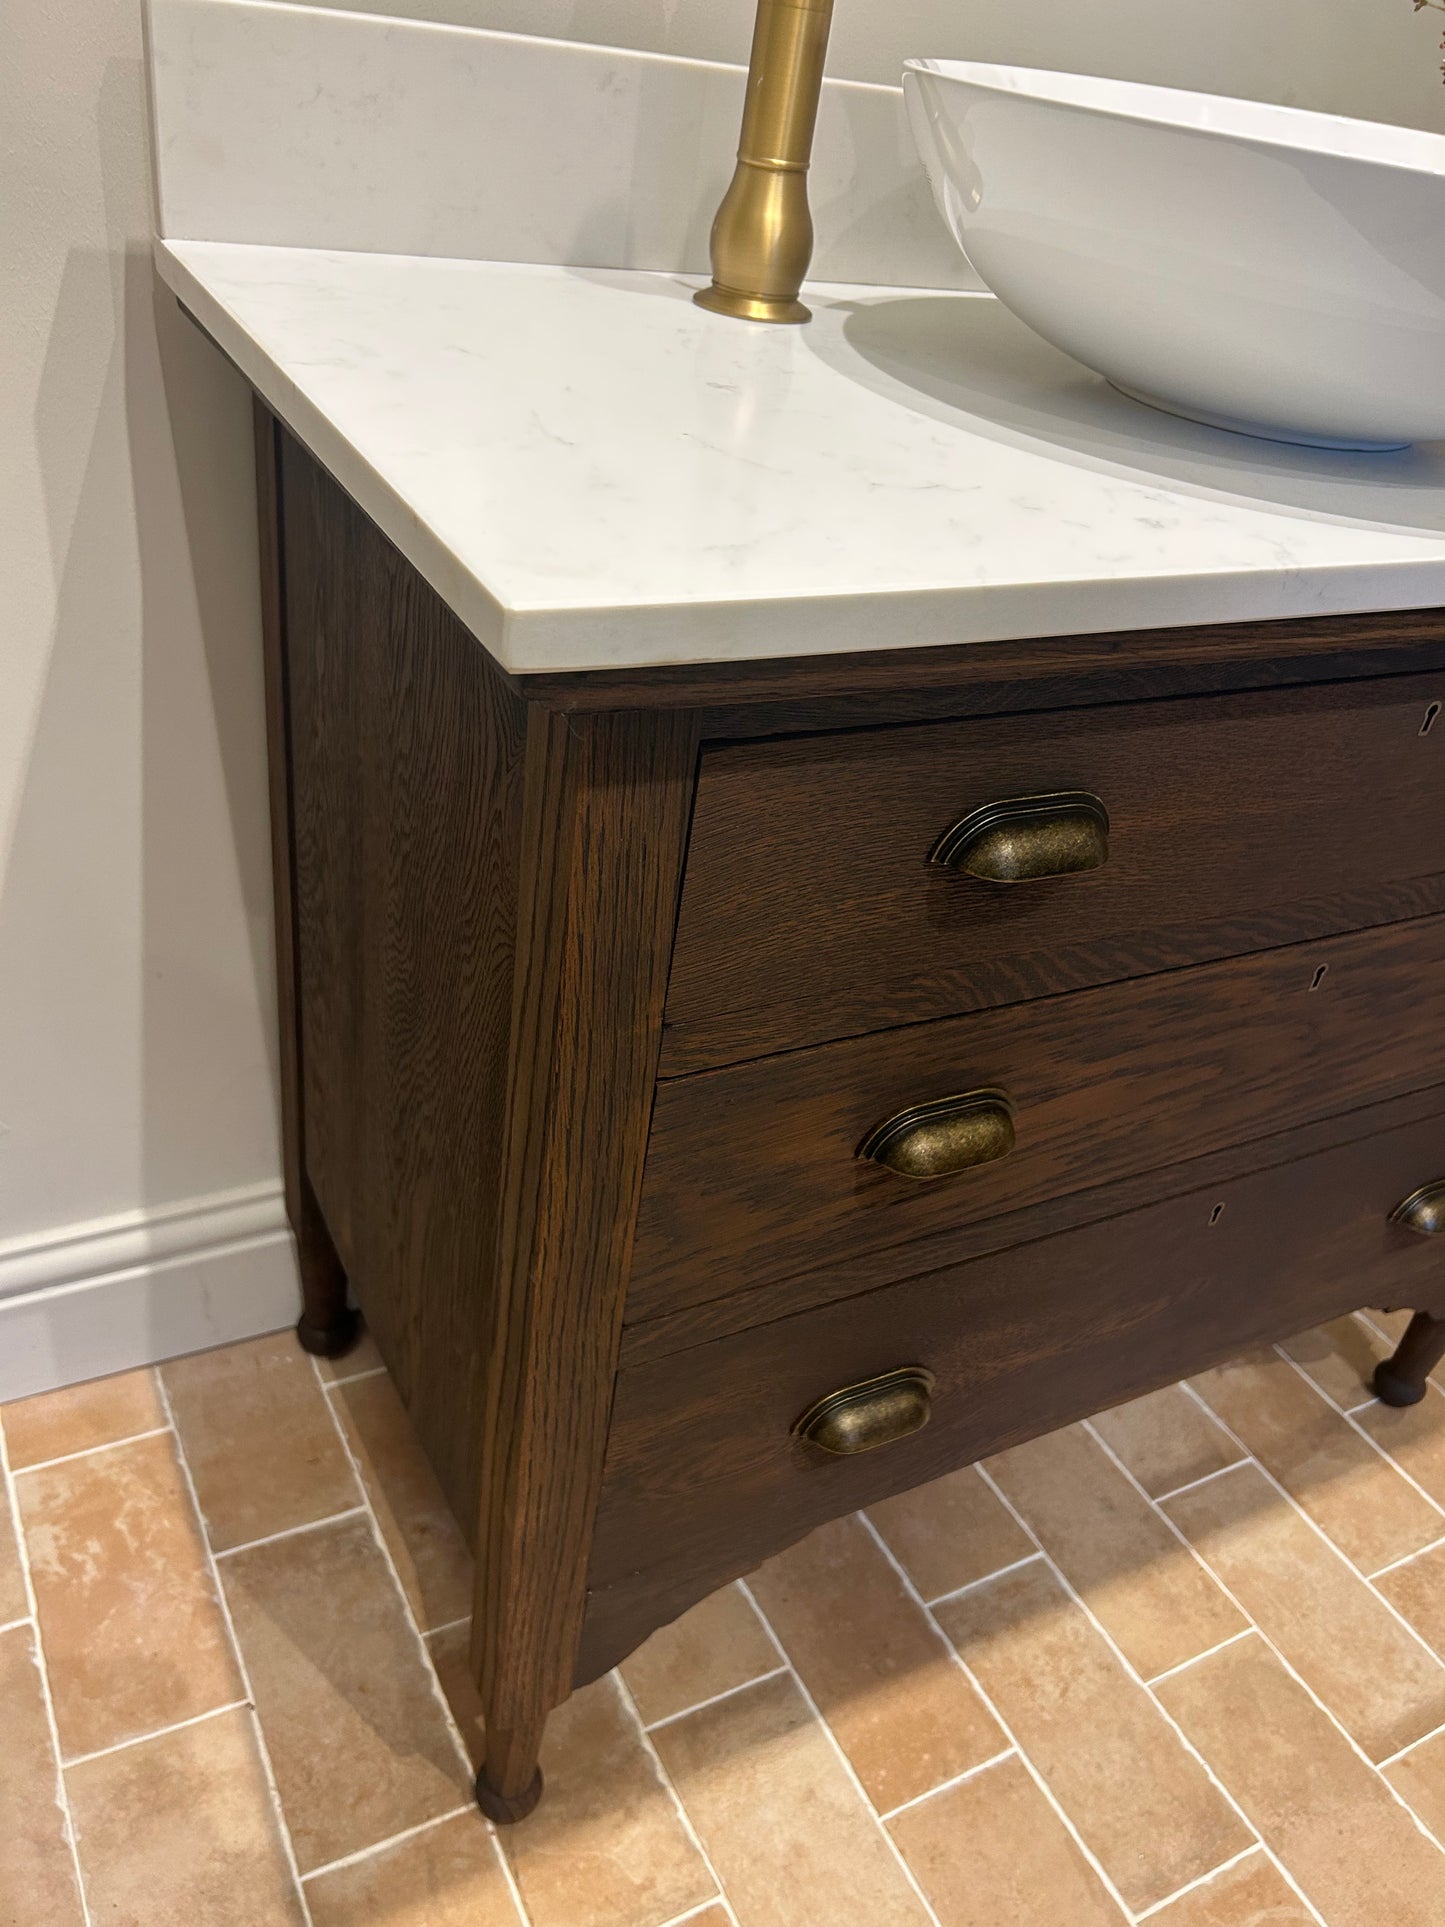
(1366, 57)
(135, 1058)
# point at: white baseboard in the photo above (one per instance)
(132, 1290)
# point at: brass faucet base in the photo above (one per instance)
(750, 307)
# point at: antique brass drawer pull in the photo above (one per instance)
(857, 1418)
(1026, 837)
(1423, 1211)
(950, 1134)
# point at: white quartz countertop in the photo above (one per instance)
(595, 474)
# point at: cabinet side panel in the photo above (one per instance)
(407, 757)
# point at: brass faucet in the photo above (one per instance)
(762, 236)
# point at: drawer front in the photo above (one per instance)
(811, 911)
(705, 1476)
(752, 1173)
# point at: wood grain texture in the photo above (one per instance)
(1238, 823)
(958, 1243)
(407, 752)
(603, 830)
(751, 1173)
(867, 689)
(704, 1479)
(323, 1280)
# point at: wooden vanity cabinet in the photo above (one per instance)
(593, 988)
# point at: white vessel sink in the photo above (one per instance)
(1257, 267)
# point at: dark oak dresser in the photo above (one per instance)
(736, 1094)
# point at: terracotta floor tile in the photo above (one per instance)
(1419, 1779)
(133, 1632)
(37, 1873)
(720, 1644)
(1385, 1689)
(1418, 1591)
(993, 1853)
(1144, 1807)
(1340, 1358)
(1373, 1514)
(1252, 1894)
(1148, 1591)
(889, 1687)
(363, 1357)
(420, 1530)
(13, 1602)
(448, 1654)
(258, 1437)
(181, 1830)
(447, 1876)
(357, 1738)
(1166, 1440)
(1326, 1816)
(950, 1533)
(606, 1847)
(54, 1424)
(1414, 1437)
(791, 1838)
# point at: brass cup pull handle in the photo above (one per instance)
(1026, 837)
(950, 1134)
(859, 1418)
(1423, 1212)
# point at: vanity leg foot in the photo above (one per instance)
(328, 1326)
(1400, 1380)
(509, 1782)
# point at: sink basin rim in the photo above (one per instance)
(1235, 119)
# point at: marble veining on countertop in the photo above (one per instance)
(595, 473)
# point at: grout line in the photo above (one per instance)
(288, 1846)
(1299, 1681)
(42, 1667)
(1328, 1397)
(393, 1840)
(1320, 1533)
(728, 1692)
(158, 1733)
(1295, 1888)
(1373, 1444)
(351, 1378)
(1192, 1886)
(449, 1718)
(1434, 1734)
(681, 1920)
(1178, 1491)
(447, 1626)
(289, 1532)
(90, 1452)
(669, 1785)
(1208, 1653)
(1408, 1560)
(832, 1740)
(11, 1625)
(1003, 1725)
(1130, 1671)
(944, 1786)
(988, 1578)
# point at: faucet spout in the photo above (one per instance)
(762, 236)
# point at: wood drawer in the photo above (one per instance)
(704, 1478)
(751, 1172)
(810, 910)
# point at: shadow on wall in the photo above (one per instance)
(135, 936)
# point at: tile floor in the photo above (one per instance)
(1182, 1664)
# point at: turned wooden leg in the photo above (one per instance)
(509, 1783)
(1401, 1380)
(327, 1326)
